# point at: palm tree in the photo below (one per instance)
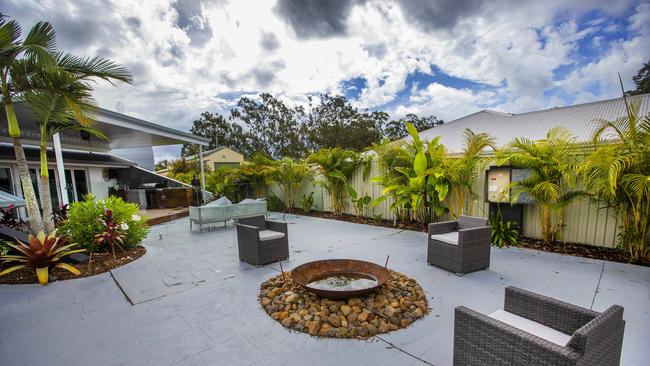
(461, 171)
(553, 163)
(336, 166)
(37, 48)
(618, 175)
(61, 98)
(289, 175)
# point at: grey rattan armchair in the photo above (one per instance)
(460, 246)
(538, 330)
(261, 241)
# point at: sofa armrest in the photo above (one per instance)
(475, 236)
(277, 226)
(559, 315)
(480, 339)
(442, 227)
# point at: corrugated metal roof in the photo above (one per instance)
(581, 119)
(7, 199)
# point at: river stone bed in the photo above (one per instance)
(395, 305)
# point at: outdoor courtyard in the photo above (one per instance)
(190, 301)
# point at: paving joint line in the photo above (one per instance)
(593, 300)
(121, 289)
(404, 351)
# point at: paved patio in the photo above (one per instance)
(189, 301)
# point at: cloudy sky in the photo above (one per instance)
(448, 58)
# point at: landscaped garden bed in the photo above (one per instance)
(575, 249)
(395, 305)
(101, 263)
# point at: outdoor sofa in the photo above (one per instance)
(460, 246)
(261, 241)
(536, 330)
(213, 213)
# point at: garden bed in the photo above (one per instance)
(575, 249)
(102, 262)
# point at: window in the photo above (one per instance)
(76, 184)
(6, 183)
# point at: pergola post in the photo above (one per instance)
(60, 168)
(202, 174)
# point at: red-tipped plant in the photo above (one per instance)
(113, 234)
(42, 253)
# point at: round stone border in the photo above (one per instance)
(395, 305)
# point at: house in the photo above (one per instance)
(80, 164)
(216, 158)
(597, 224)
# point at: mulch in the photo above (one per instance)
(101, 263)
(575, 249)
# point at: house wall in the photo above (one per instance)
(223, 156)
(585, 221)
(99, 186)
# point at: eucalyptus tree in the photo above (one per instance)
(37, 47)
(617, 174)
(461, 171)
(61, 99)
(553, 163)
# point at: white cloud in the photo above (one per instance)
(235, 47)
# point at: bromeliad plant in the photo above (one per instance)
(42, 253)
(114, 233)
(8, 217)
(413, 177)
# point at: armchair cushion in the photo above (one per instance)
(270, 235)
(449, 238)
(529, 326)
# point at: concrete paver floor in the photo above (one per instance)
(190, 301)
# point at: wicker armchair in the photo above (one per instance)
(261, 241)
(538, 330)
(460, 246)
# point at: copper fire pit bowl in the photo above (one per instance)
(340, 278)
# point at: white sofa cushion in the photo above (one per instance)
(449, 238)
(270, 235)
(222, 201)
(531, 327)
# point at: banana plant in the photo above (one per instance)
(414, 177)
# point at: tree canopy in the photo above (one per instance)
(642, 79)
(269, 126)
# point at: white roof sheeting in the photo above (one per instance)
(579, 119)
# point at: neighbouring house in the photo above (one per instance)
(80, 164)
(219, 157)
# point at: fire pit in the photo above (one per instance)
(340, 278)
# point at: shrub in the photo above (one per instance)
(8, 217)
(504, 233)
(274, 203)
(85, 221)
(377, 219)
(307, 202)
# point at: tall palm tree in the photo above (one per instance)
(61, 98)
(37, 46)
(553, 163)
(461, 171)
(617, 173)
